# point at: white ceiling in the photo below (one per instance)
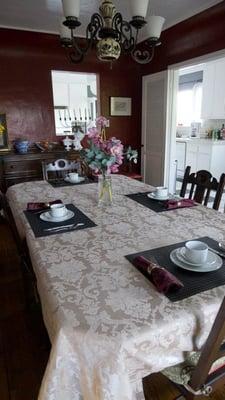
(43, 15)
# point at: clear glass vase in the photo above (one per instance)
(104, 190)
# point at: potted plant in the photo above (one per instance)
(104, 156)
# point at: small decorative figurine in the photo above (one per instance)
(67, 142)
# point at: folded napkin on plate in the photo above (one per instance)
(163, 280)
(182, 203)
(41, 206)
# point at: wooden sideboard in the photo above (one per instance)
(16, 168)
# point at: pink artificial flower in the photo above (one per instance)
(116, 150)
(119, 160)
(92, 132)
(101, 121)
(112, 147)
(114, 168)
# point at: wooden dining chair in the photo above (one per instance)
(201, 372)
(60, 168)
(202, 184)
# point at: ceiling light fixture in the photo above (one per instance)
(110, 32)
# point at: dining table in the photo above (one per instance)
(108, 325)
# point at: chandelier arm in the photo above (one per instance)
(94, 26)
(124, 32)
(92, 29)
(75, 57)
(143, 56)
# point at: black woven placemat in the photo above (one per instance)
(154, 205)
(194, 282)
(61, 182)
(38, 226)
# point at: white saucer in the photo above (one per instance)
(154, 197)
(46, 216)
(80, 179)
(182, 257)
(207, 267)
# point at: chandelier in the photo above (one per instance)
(110, 32)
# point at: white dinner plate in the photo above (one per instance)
(80, 179)
(182, 257)
(46, 216)
(207, 267)
(154, 197)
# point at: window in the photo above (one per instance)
(75, 101)
(189, 102)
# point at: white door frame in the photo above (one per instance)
(171, 122)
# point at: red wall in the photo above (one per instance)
(27, 58)
(201, 34)
(26, 61)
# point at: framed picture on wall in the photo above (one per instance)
(4, 145)
(120, 106)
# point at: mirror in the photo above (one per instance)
(75, 99)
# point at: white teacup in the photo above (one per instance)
(58, 210)
(196, 251)
(161, 191)
(73, 176)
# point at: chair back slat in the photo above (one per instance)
(191, 191)
(219, 192)
(202, 183)
(207, 197)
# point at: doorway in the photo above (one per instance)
(159, 129)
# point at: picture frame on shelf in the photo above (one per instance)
(120, 106)
(4, 143)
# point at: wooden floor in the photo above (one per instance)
(24, 346)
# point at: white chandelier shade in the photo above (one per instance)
(139, 8)
(154, 26)
(71, 8)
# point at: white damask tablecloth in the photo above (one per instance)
(108, 325)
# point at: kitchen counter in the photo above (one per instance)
(198, 141)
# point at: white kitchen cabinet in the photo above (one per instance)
(181, 157)
(213, 93)
(218, 160)
(218, 110)
(206, 154)
(207, 90)
(191, 156)
(204, 157)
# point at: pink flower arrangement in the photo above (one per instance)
(103, 155)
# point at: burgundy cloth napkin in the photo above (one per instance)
(163, 280)
(41, 206)
(182, 203)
